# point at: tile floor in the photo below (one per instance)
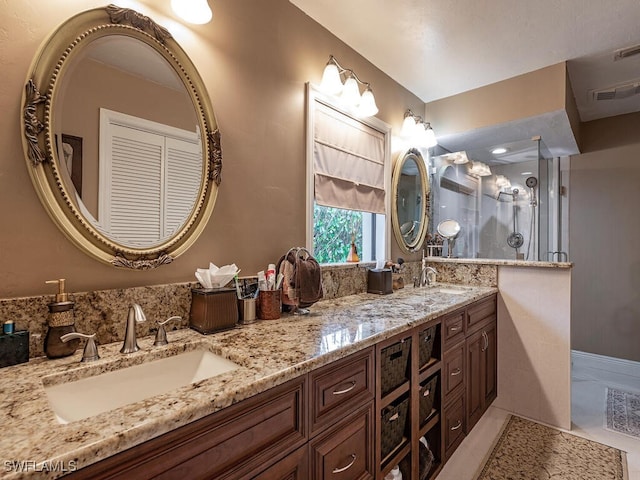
(588, 408)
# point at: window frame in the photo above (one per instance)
(313, 96)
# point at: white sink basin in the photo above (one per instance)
(90, 396)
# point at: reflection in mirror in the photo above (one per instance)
(120, 138)
(449, 229)
(502, 204)
(138, 174)
(410, 195)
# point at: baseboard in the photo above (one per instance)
(604, 364)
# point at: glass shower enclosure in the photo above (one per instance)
(507, 202)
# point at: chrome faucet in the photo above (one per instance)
(136, 315)
(425, 279)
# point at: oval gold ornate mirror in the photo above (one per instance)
(120, 138)
(410, 200)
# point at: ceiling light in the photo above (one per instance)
(192, 11)
(331, 84)
(499, 150)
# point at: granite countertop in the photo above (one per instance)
(502, 262)
(269, 353)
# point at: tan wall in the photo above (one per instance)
(255, 58)
(604, 230)
(527, 95)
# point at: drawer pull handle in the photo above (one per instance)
(394, 417)
(346, 390)
(457, 371)
(426, 392)
(458, 425)
(455, 329)
(343, 469)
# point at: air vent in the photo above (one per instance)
(617, 92)
(626, 52)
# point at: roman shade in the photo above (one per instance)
(348, 162)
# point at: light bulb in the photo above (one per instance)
(408, 129)
(430, 137)
(351, 93)
(368, 106)
(331, 83)
(192, 11)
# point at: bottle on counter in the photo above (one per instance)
(61, 321)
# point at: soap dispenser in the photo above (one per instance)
(61, 321)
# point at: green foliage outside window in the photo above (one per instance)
(332, 232)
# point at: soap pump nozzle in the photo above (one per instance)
(61, 296)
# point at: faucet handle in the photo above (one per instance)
(90, 352)
(161, 334)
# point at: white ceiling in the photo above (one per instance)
(439, 48)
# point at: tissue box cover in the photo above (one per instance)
(379, 281)
(14, 348)
(213, 309)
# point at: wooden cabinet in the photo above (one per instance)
(454, 425)
(340, 388)
(412, 408)
(355, 418)
(482, 367)
(342, 443)
(453, 371)
(292, 467)
(230, 444)
(469, 369)
(345, 452)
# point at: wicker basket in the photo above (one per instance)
(395, 365)
(427, 338)
(392, 426)
(428, 393)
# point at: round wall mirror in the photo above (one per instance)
(120, 138)
(410, 200)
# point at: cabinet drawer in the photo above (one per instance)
(228, 444)
(454, 418)
(453, 328)
(346, 451)
(479, 312)
(453, 371)
(341, 388)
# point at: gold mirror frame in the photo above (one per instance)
(413, 154)
(43, 163)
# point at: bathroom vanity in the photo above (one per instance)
(305, 401)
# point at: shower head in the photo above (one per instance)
(532, 182)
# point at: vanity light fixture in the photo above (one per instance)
(417, 130)
(192, 11)
(364, 105)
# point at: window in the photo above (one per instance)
(348, 176)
